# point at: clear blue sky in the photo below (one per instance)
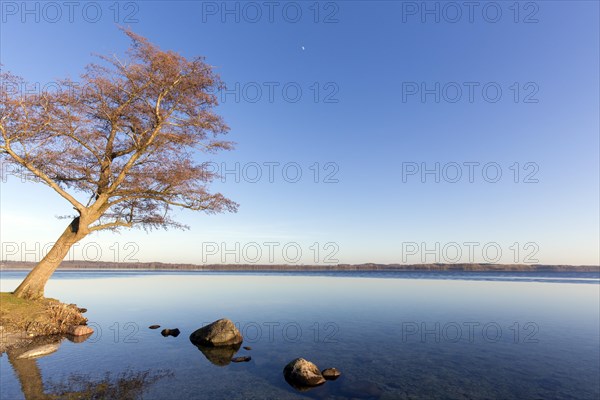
(369, 59)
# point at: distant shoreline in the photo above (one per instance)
(155, 266)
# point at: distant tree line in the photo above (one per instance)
(98, 265)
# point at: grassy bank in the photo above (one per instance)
(21, 319)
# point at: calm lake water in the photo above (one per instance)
(393, 335)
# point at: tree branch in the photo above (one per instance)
(110, 225)
(80, 207)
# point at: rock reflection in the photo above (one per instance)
(79, 339)
(220, 356)
(299, 387)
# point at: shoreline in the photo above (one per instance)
(23, 322)
(296, 270)
(7, 266)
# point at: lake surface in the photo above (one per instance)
(435, 335)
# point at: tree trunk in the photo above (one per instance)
(33, 285)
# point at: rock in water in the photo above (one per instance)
(220, 333)
(80, 330)
(301, 373)
(331, 374)
(40, 351)
(170, 332)
(241, 359)
(154, 327)
(247, 348)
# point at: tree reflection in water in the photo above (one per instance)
(125, 385)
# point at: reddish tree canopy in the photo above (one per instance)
(120, 145)
(124, 136)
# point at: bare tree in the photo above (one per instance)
(120, 146)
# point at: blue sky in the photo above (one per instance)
(363, 131)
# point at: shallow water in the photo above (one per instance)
(393, 335)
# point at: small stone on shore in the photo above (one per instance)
(80, 330)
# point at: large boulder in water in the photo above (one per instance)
(220, 333)
(302, 374)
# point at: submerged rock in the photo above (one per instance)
(302, 374)
(219, 333)
(241, 359)
(331, 374)
(170, 332)
(361, 389)
(247, 348)
(154, 327)
(40, 351)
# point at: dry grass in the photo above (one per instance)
(64, 315)
(38, 317)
